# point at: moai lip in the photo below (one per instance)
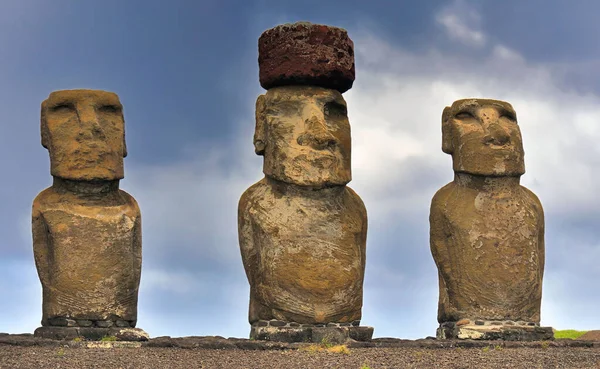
(306, 54)
(86, 231)
(486, 230)
(302, 231)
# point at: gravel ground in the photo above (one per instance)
(157, 357)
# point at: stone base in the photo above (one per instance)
(466, 329)
(333, 333)
(91, 333)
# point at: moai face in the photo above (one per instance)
(84, 132)
(483, 138)
(304, 134)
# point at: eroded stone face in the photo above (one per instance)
(486, 230)
(304, 134)
(483, 138)
(84, 132)
(86, 231)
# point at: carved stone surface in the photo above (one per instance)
(491, 330)
(318, 333)
(306, 54)
(91, 334)
(86, 231)
(302, 231)
(487, 231)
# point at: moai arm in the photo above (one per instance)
(362, 211)
(438, 236)
(541, 230)
(40, 242)
(245, 234)
(137, 239)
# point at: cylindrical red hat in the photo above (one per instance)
(306, 54)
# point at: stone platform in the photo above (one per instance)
(91, 333)
(334, 333)
(507, 330)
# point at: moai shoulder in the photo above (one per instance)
(486, 230)
(86, 231)
(302, 231)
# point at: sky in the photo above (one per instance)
(187, 75)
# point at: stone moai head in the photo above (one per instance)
(483, 138)
(84, 132)
(302, 127)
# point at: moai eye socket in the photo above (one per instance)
(62, 108)
(335, 110)
(464, 115)
(109, 109)
(508, 115)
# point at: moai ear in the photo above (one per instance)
(447, 131)
(124, 146)
(124, 141)
(260, 140)
(44, 128)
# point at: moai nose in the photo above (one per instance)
(316, 135)
(90, 126)
(496, 135)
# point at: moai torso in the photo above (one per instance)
(487, 231)
(88, 254)
(86, 232)
(307, 250)
(302, 231)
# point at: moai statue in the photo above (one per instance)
(486, 230)
(87, 239)
(302, 231)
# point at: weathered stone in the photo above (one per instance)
(463, 322)
(313, 334)
(294, 324)
(479, 322)
(122, 324)
(57, 333)
(496, 323)
(61, 322)
(329, 335)
(277, 323)
(104, 323)
(281, 334)
(487, 231)
(261, 323)
(84, 323)
(362, 334)
(356, 323)
(300, 223)
(130, 334)
(306, 54)
(495, 332)
(86, 231)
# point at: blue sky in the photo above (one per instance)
(187, 75)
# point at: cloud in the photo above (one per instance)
(460, 22)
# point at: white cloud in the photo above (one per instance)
(460, 22)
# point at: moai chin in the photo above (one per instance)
(302, 231)
(87, 238)
(486, 230)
